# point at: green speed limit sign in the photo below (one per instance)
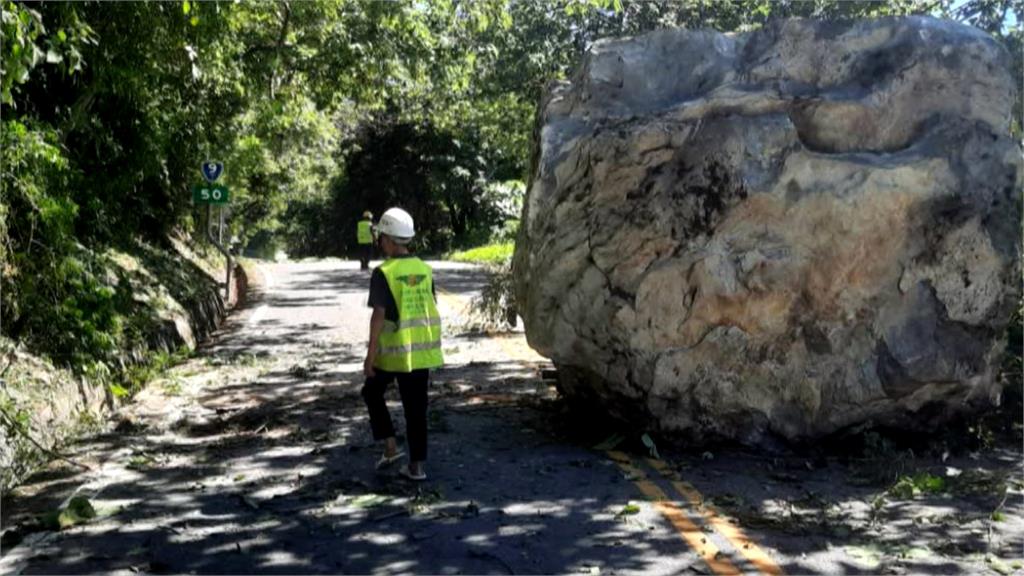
(210, 194)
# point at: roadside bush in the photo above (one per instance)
(496, 304)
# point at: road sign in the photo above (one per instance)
(210, 194)
(212, 170)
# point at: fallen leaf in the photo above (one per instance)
(869, 556)
(369, 500)
(998, 565)
(629, 510)
(649, 443)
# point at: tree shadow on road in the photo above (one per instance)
(284, 483)
(275, 475)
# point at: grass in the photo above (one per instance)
(489, 254)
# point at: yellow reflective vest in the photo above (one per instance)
(363, 233)
(414, 342)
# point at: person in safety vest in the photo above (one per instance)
(405, 342)
(364, 235)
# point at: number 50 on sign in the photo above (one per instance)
(210, 194)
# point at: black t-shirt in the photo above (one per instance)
(380, 294)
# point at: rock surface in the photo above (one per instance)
(782, 233)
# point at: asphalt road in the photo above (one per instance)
(256, 457)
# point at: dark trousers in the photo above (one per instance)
(365, 251)
(412, 386)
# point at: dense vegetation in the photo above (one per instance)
(320, 110)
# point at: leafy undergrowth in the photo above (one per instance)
(111, 334)
(29, 415)
(494, 309)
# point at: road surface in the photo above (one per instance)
(256, 457)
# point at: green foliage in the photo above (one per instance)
(490, 254)
(629, 510)
(78, 511)
(26, 44)
(442, 178)
(908, 487)
(320, 110)
(21, 27)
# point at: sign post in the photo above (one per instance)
(210, 194)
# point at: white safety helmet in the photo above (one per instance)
(397, 224)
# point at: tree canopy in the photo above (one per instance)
(319, 110)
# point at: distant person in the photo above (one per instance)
(405, 342)
(364, 235)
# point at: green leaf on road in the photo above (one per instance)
(998, 565)
(629, 510)
(370, 500)
(921, 483)
(929, 483)
(646, 439)
(140, 462)
(78, 511)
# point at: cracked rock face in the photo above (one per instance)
(782, 233)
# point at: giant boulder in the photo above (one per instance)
(783, 233)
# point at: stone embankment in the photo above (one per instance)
(182, 302)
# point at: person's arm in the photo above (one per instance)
(376, 326)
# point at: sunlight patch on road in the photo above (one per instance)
(268, 278)
(284, 559)
(268, 284)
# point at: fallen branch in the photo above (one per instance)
(13, 424)
(389, 515)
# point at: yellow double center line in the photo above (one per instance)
(693, 534)
(690, 532)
